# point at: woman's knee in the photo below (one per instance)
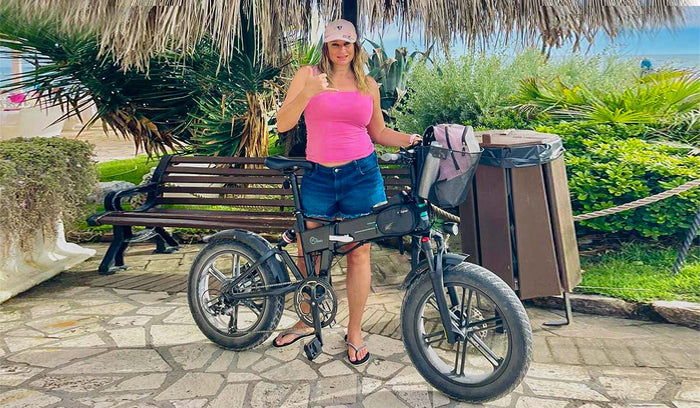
(359, 257)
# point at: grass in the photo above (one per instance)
(131, 170)
(642, 273)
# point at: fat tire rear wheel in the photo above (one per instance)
(263, 314)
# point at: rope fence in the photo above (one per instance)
(628, 206)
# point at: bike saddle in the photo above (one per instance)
(284, 163)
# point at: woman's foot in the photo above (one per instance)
(357, 349)
(287, 337)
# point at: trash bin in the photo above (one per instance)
(518, 221)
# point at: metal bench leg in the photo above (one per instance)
(568, 315)
(165, 243)
(114, 258)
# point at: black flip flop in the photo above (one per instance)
(363, 345)
(300, 335)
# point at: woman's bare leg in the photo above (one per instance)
(358, 286)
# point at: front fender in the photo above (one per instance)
(448, 259)
(257, 243)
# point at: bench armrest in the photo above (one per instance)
(113, 199)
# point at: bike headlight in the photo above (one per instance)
(450, 228)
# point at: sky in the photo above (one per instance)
(683, 40)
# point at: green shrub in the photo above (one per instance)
(42, 180)
(470, 90)
(608, 166)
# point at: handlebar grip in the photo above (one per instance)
(390, 157)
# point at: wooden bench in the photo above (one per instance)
(183, 190)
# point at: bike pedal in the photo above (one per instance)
(313, 348)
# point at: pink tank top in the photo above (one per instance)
(336, 127)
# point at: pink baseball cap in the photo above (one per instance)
(340, 30)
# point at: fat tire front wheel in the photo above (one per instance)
(498, 350)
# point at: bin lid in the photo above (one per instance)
(518, 148)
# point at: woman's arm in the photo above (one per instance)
(305, 85)
(377, 128)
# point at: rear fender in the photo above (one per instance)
(257, 243)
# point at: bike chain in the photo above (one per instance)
(331, 325)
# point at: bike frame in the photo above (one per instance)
(421, 248)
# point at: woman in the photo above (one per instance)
(343, 117)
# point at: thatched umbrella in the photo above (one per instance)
(136, 30)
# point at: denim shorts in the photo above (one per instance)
(347, 191)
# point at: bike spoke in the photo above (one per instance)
(440, 333)
(490, 356)
(216, 274)
(235, 266)
(252, 306)
(464, 355)
(484, 325)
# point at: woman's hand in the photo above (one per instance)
(316, 84)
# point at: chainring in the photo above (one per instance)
(320, 292)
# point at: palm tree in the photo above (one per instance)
(135, 33)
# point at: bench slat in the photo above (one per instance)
(235, 202)
(223, 179)
(223, 171)
(218, 224)
(226, 190)
(215, 159)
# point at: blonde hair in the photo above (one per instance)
(357, 67)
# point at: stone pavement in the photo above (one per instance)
(127, 340)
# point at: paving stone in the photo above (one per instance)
(382, 399)
(130, 320)
(52, 357)
(439, 399)
(49, 309)
(288, 353)
(370, 384)
(685, 373)
(165, 265)
(131, 337)
(222, 363)
(232, 396)
(193, 356)
(415, 396)
(181, 315)
(299, 397)
(563, 350)
(266, 394)
(558, 372)
(24, 332)
(91, 340)
(114, 400)
(334, 368)
(154, 310)
(295, 371)
(57, 324)
(149, 297)
(171, 335)
(335, 390)
(246, 358)
(631, 389)
(408, 375)
(15, 374)
(384, 347)
(690, 391)
(242, 378)
(264, 365)
(382, 368)
(557, 388)
(192, 385)
(114, 309)
(532, 402)
(191, 403)
(504, 401)
(685, 404)
(73, 383)
(633, 372)
(119, 361)
(9, 316)
(140, 382)
(23, 398)
(22, 343)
